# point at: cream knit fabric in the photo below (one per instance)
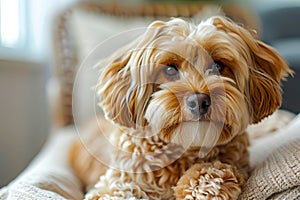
(278, 177)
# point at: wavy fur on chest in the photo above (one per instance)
(138, 162)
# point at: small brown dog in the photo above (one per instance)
(177, 102)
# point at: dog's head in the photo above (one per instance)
(189, 82)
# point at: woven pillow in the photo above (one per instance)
(278, 177)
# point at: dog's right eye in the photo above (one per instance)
(171, 71)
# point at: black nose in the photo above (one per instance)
(198, 103)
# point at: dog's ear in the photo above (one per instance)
(125, 84)
(113, 86)
(265, 80)
(266, 70)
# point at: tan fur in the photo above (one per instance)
(150, 146)
(86, 165)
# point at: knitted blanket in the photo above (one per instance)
(275, 160)
(278, 177)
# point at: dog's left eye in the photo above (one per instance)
(217, 66)
(171, 71)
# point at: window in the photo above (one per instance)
(12, 19)
(25, 28)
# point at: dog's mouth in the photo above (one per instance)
(193, 118)
(190, 117)
(208, 117)
(217, 123)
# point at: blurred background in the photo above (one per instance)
(28, 54)
(25, 67)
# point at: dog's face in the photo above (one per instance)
(192, 83)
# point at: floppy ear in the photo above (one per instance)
(265, 80)
(112, 88)
(266, 70)
(125, 85)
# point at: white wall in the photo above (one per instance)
(24, 119)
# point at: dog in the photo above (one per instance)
(177, 102)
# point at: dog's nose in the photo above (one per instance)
(198, 103)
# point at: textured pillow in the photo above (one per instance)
(278, 177)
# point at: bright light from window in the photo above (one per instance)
(10, 23)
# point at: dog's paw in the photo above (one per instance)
(209, 181)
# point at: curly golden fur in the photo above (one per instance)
(177, 101)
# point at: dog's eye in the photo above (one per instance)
(217, 67)
(171, 71)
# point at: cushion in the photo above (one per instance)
(278, 176)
